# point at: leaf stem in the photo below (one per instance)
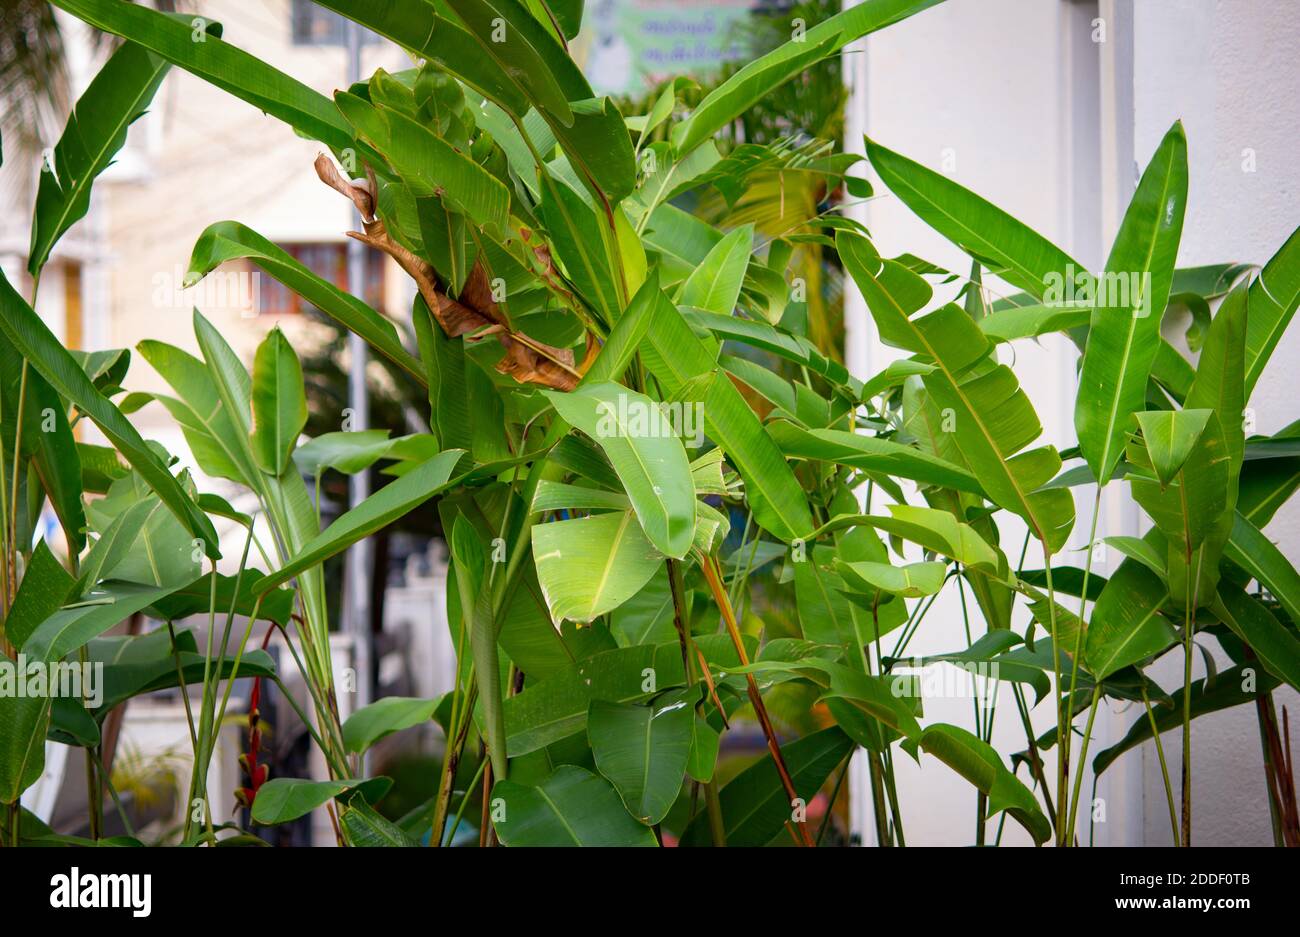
(1164, 768)
(712, 574)
(302, 716)
(464, 801)
(1078, 653)
(981, 799)
(18, 448)
(835, 793)
(1189, 626)
(879, 808)
(1035, 759)
(1062, 728)
(451, 763)
(1083, 759)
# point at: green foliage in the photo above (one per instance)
(655, 479)
(1125, 327)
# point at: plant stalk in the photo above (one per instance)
(712, 575)
(1074, 662)
(1083, 761)
(1164, 768)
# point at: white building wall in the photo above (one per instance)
(1020, 101)
(1229, 69)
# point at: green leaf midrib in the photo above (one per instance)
(1132, 634)
(646, 476)
(1125, 359)
(559, 816)
(760, 479)
(609, 561)
(645, 773)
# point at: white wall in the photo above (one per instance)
(978, 90)
(1017, 101)
(1229, 69)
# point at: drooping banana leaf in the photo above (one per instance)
(411, 24)
(991, 418)
(136, 664)
(383, 507)
(933, 529)
(1225, 690)
(977, 762)
(871, 454)
(641, 442)
(1250, 549)
(1276, 646)
(96, 130)
(72, 627)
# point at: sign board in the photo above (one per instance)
(629, 46)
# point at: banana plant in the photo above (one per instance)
(665, 503)
(1175, 431)
(135, 538)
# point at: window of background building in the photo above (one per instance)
(330, 263)
(315, 26)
